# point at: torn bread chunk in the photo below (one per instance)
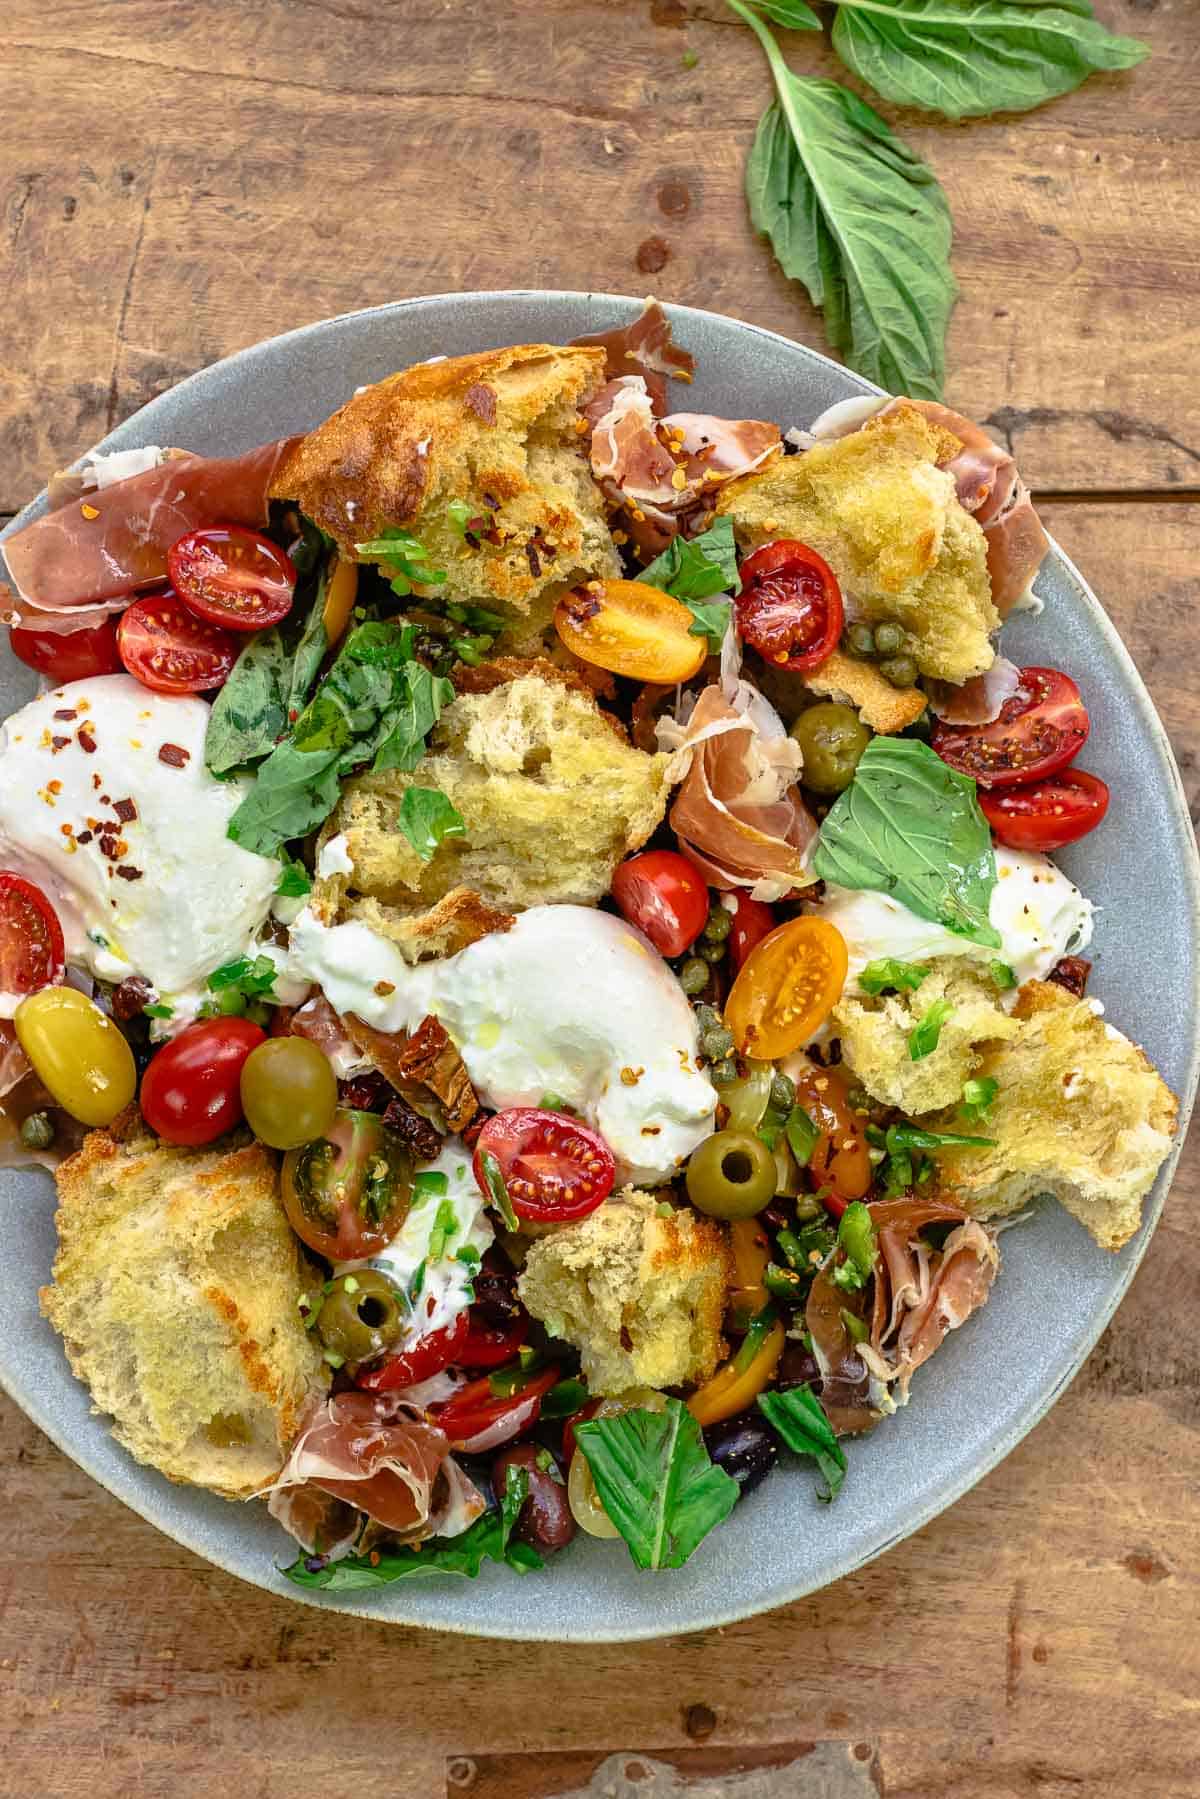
(1079, 1112)
(176, 1292)
(876, 1035)
(551, 797)
(888, 521)
(639, 1289)
(480, 458)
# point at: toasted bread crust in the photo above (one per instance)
(884, 708)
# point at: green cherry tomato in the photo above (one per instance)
(77, 1053)
(289, 1092)
(731, 1175)
(361, 1315)
(347, 1193)
(832, 738)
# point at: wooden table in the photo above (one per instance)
(179, 178)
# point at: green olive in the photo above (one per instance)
(289, 1093)
(889, 638)
(861, 640)
(360, 1316)
(693, 976)
(901, 671)
(731, 1175)
(832, 738)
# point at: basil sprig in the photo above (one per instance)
(656, 1481)
(797, 1416)
(909, 826)
(966, 58)
(695, 569)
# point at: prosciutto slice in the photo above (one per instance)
(738, 814)
(644, 348)
(921, 1294)
(88, 558)
(375, 1453)
(978, 701)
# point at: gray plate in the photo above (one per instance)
(991, 1381)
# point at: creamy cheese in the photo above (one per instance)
(334, 858)
(438, 1287)
(1039, 914)
(570, 1001)
(105, 803)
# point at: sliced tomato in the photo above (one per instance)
(191, 1091)
(490, 1345)
(166, 647)
(32, 954)
(479, 1418)
(790, 605)
(1047, 814)
(841, 1157)
(1040, 729)
(233, 577)
(428, 1356)
(752, 921)
(664, 895)
(555, 1168)
(75, 656)
(631, 629)
(787, 988)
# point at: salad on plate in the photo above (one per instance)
(530, 943)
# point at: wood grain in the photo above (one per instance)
(183, 178)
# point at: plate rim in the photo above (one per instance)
(943, 1498)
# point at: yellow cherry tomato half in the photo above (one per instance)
(77, 1053)
(787, 987)
(631, 628)
(341, 591)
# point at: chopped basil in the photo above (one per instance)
(497, 1192)
(564, 1400)
(977, 1096)
(159, 1011)
(405, 560)
(926, 1034)
(294, 882)
(445, 1228)
(427, 818)
(692, 571)
(1003, 975)
(901, 1137)
(429, 1180)
(887, 975)
(802, 1135)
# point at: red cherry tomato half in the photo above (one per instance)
(32, 955)
(428, 1356)
(1042, 728)
(1049, 813)
(752, 921)
(555, 1169)
(75, 657)
(491, 1345)
(191, 1088)
(790, 605)
(664, 895)
(166, 647)
(477, 1418)
(232, 577)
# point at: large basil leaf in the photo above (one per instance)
(270, 683)
(909, 826)
(860, 220)
(656, 1481)
(963, 58)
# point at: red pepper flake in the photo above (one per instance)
(129, 874)
(95, 783)
(53, 786)
(83, 837)
(112, 846)
(126, 811)
(59, 743)
(175, 757)
(67, 714)
(87, 742)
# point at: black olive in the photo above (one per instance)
(496, 1291)
(798, 1367)
(545, 1521)
(743, 1447)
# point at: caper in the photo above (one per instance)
(889, 638)
(731, 1175)
(832, 739)
(712, 952)
(707, 1017)
(723, 1074)
(861, 639)
(783, 1092)
(693, 976)
(717, 1043)
(901, 671)
(37, 1131)
(360, 1316)
(720, 923)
